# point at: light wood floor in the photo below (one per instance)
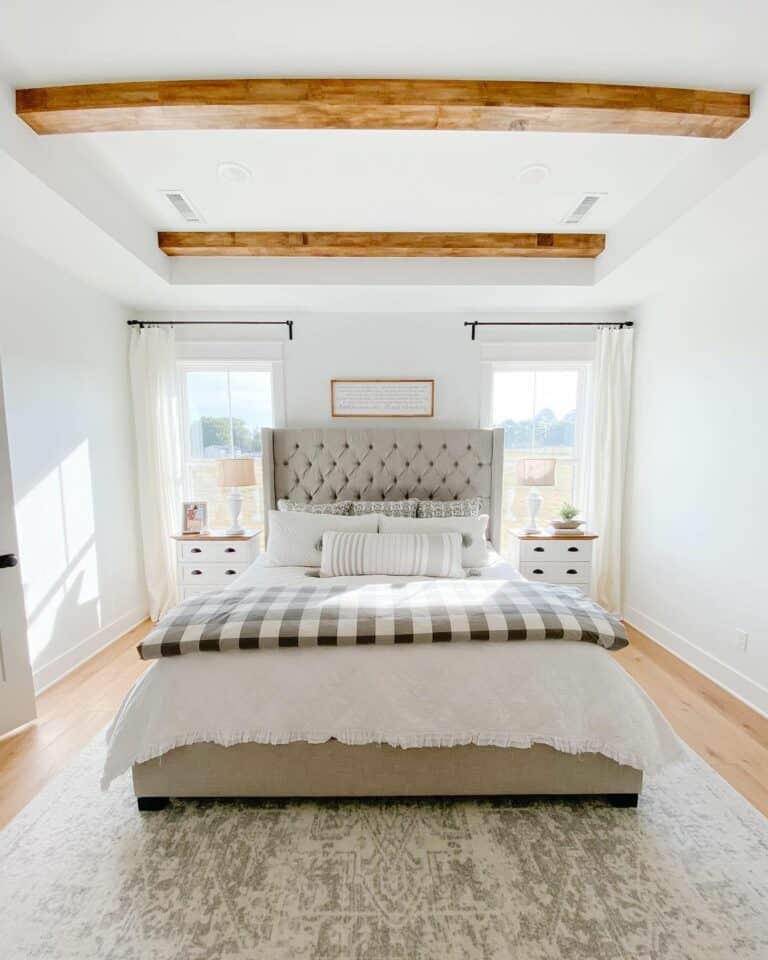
(727, 734)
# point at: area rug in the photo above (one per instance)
(684, 877)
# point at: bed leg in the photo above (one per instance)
(623, 799)
(151, 803)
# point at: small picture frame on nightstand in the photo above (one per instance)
(194, 517)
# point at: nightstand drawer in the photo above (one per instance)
(194, 591)
(216, 551)
(556, 551)
(576, 573)
(202, 574)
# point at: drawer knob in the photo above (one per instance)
(230, 550)
(195, 550)
(196, 573)
(537, 571)
(573, 549)
(572, 571)
(538, 549)
(231, 573)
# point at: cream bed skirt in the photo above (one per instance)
(334, 769)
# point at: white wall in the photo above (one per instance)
(64, 354)
(696, 560)
(387, 345)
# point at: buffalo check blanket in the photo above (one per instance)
(338, 615)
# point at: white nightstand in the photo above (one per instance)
(209, 561)
(554, 558)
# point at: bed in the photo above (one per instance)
(541, 717)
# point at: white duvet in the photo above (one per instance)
(572, 696)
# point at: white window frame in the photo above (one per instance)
(221, 365)
(583, 419)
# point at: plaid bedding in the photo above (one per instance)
(433, 611)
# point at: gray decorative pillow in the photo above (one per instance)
(389, 508)
(450, 508)
(339, 508)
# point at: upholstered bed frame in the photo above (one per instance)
(322, 465)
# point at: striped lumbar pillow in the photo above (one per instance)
(391, 554)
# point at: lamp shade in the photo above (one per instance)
(536, 473)
(236, 472)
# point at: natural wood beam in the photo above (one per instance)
(286, 244)
(382, 105)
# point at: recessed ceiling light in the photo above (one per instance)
(231, 172)
(534, 174)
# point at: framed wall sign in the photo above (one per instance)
(360, 397)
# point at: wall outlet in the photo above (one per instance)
(742, 640)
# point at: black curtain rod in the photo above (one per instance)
(620, 325)
(209, 323)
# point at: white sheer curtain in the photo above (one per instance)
(611, 389)
(152, 361)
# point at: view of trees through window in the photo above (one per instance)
(225, 411)
(539, 411)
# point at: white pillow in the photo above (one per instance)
(295, 538)
(391, 554)
(474, 552)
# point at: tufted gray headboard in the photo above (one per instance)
(321, 465)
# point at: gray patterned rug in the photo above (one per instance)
(684, 877)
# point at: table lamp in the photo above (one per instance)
(533, 474)
(236, 472)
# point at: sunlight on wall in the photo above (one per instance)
(59, 563)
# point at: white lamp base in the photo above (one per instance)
(235, 505)
(535, 501)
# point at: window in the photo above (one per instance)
(224, 406)
(542, 410)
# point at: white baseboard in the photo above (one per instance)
(56, 669)
(755, 695)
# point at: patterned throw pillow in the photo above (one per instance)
(389, 508)
(450, 508)
(339, 508)
(391, 554)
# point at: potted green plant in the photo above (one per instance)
(567, 519)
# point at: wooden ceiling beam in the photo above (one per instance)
(295, 244)
(382, 105)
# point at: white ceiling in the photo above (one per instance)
(388, 180)
(102, 189)
(710, 43)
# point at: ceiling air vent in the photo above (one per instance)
(583, 207)
(182, 206)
